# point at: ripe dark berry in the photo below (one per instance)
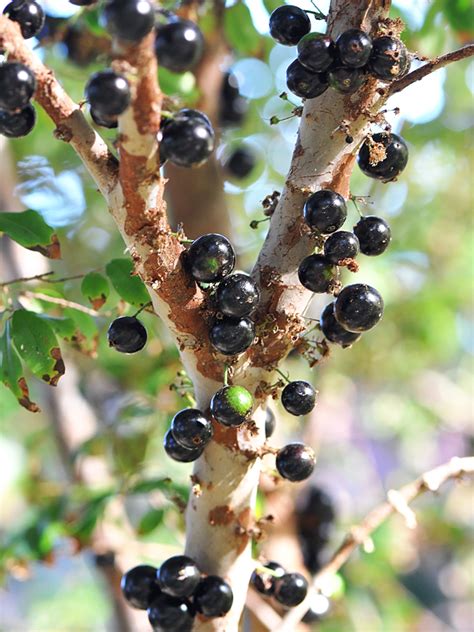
(179, 576)
(237, 295)
(298, 397)
(240, 163)
(177, 452)
(232, 105)
(140, 586)
(335, 332)
(316, 52)
(108, 93)
(346, 80)
(291, 589)
(316, 273)
(231, 336)
(187, 140)
(325, 211)
(17, 124)
(17, 86)
(213, 597)
(295, 462)
(341, 245)
(374, 235)
(210, 258)
(127, 334)
(179, 44)
(129, 20)
(270, 423)
(358, 307)
(354, 48)
(288, 24)
(384, 156)
(264, 582)
(191, 429)
(305, 83)
(169, 614)
(231, 405)
(389, 58)
(103, 121)
(29, 15)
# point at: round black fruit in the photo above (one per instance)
(17, 124)
(187, 140)
(316, 52)
(17, 86)
(303, 82)
(29, 15)
(108, 93)
(354, 47)
(335, 332)
(140, 586)
(237, 295)
(264, 582)
(291, 589)
(270, 423)
(169, 614)
(341, 246)
(325, 211)
(295, 462)
(213, 597)
(129, 20)
(358, 307)
(177, 452)
(231, 405)
(298, 397)
(179, 44)
(191, 429)
(346, 80)
(210, 258)
(232, 105)
(103, 121)
(383, 156)
(316, 273)
(231, 336)
(389, 59)
(179, 576)
(240, 163)
(288, 24)
(127, 334)
(374, 235)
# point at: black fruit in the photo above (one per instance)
(295, 462)
(17, 124)
(288, 24)
(237, 295)
(179, 44)
(340, 246)
(213, 597)
(270, 422)
(191, 429)
(179, 453)
(291, 589)
(210, 258)
(316, 52)
(129, 20)
(169, 614)
(325, 211)
(103, 121)
(358, 307)
(231, 336)
(346, 80)
(389, 58)
(383, 156)
(354, 48)
(335, 332)
(298, 397)
(140, 586)
(179, 576)
(17, 86)
(187, 140)
(108, 93)
(232, 105)
(374, 235)
(303, 82)
(127, 334)
(316, 273)
(240, 163)
(264, 582)
(231, 405)
(29, 15)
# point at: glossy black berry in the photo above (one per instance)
(17, 124)
(187, 140)
(179, 576)
(305, 83)
(358, 307)
(325, 211)
(295, 462)
(108, 93)
(231, 405)
(237, 295)
(270, 423)
(169, 614)
(316, 273)
(127, 334)
(346, 80)
(177, 452)
(291, 589)
(103, 121)
(383, 156)
(314, 508)
(231, 336)
(232, 105)
(129, 20)
(179, 44)
(240, 163)
(191, 429)
(354, 47)
(316, 52)
(264, 582)
(389, 58)
(17, 86)
(29, 15)
(140, 586)
(213, 597)
(288, 24)
(335, 332)
(210, 258)
(341, 245)
(374, 235)
(298, 397)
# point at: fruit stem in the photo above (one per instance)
(255, 222)
(353, 199)
(190, 399)
(318, 14)
(142, 308)
(226, 375)
(285, 377)
(264, 570)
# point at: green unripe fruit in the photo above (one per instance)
(232, 405)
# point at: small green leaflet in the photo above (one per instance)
(240, 30)
(11, 371)
(95, 288)
(31, 231)
(129, 286)
(149, 521)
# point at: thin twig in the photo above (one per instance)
(42, 277)
(63, 303)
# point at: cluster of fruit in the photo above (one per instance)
(175, 593)
(272, 580)
(344, 64)
(17, 87)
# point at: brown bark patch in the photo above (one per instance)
(222, 515)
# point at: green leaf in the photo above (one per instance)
(37, 345)
(83, 527)
(31, 231)
(169, 488)
(150, 521)
(95, 288)
(240, 30)
(129, 286)
(63, 327)
(85, 331)
(11, 371)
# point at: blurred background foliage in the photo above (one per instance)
(392, 406)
